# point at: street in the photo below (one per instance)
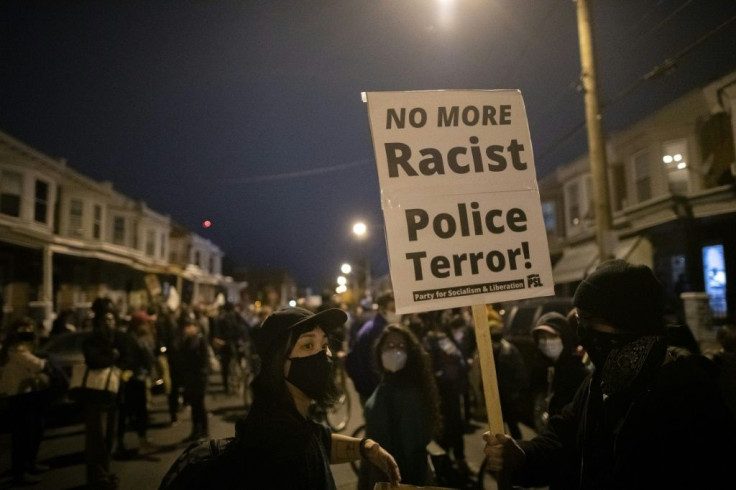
(63, 447)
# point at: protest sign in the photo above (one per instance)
(460, 201)
(459, 196)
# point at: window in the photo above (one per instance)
(97, 223)
(162, 252)
(675, 160)
(11, 188)
(642, 177)
(41, 203)
(196, 258)
(572, 198)
(76, 217)
(549, 212)
(118, 230)
(618, 177)
(150, 243)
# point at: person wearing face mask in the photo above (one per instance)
(277, 445)
(403, 413)
(359, 362)
(25, 381)
(649, 416)
(565, 369)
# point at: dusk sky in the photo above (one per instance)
(249, 113)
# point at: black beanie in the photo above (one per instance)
(628, 296)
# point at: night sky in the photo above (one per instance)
(249, 113)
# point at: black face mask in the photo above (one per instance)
(599, 345)
(311, 374)
(27, 336)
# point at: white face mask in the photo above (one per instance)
(551, 348)
(393, 359)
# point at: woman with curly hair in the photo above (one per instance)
(402, 414)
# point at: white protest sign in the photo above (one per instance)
(459, 195)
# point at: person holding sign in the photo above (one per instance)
(648, 416)
(277, 445)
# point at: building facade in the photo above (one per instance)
(66, 239)
(673, 201)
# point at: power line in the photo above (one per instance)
(662, 69)
(293, 175)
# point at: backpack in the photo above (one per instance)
(201, 465)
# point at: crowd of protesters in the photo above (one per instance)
(155, 350)
(417, 377)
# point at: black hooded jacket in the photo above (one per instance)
(669, 429)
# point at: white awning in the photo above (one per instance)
(575, 262)
(580, 260)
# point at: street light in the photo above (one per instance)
(360, 230)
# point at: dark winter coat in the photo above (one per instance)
(193, 365)
(669, 429)
(360, 362)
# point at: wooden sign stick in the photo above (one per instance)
(488, 369)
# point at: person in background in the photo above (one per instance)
(228, 333)
(451, 376)
(63, 323)
(461, 325)
(133, 410)
(360, 363)
(513, 378)
(166, 329)
(648, 417)
(565, 371)
(106, 347)
(25, 380)
(194, 370)
(403, 412)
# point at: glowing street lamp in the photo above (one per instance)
(360, 229)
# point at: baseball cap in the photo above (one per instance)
(277, 326)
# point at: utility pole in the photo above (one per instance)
(596, 144)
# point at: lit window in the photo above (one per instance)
(675, 160)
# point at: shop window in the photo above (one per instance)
(11, 189)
